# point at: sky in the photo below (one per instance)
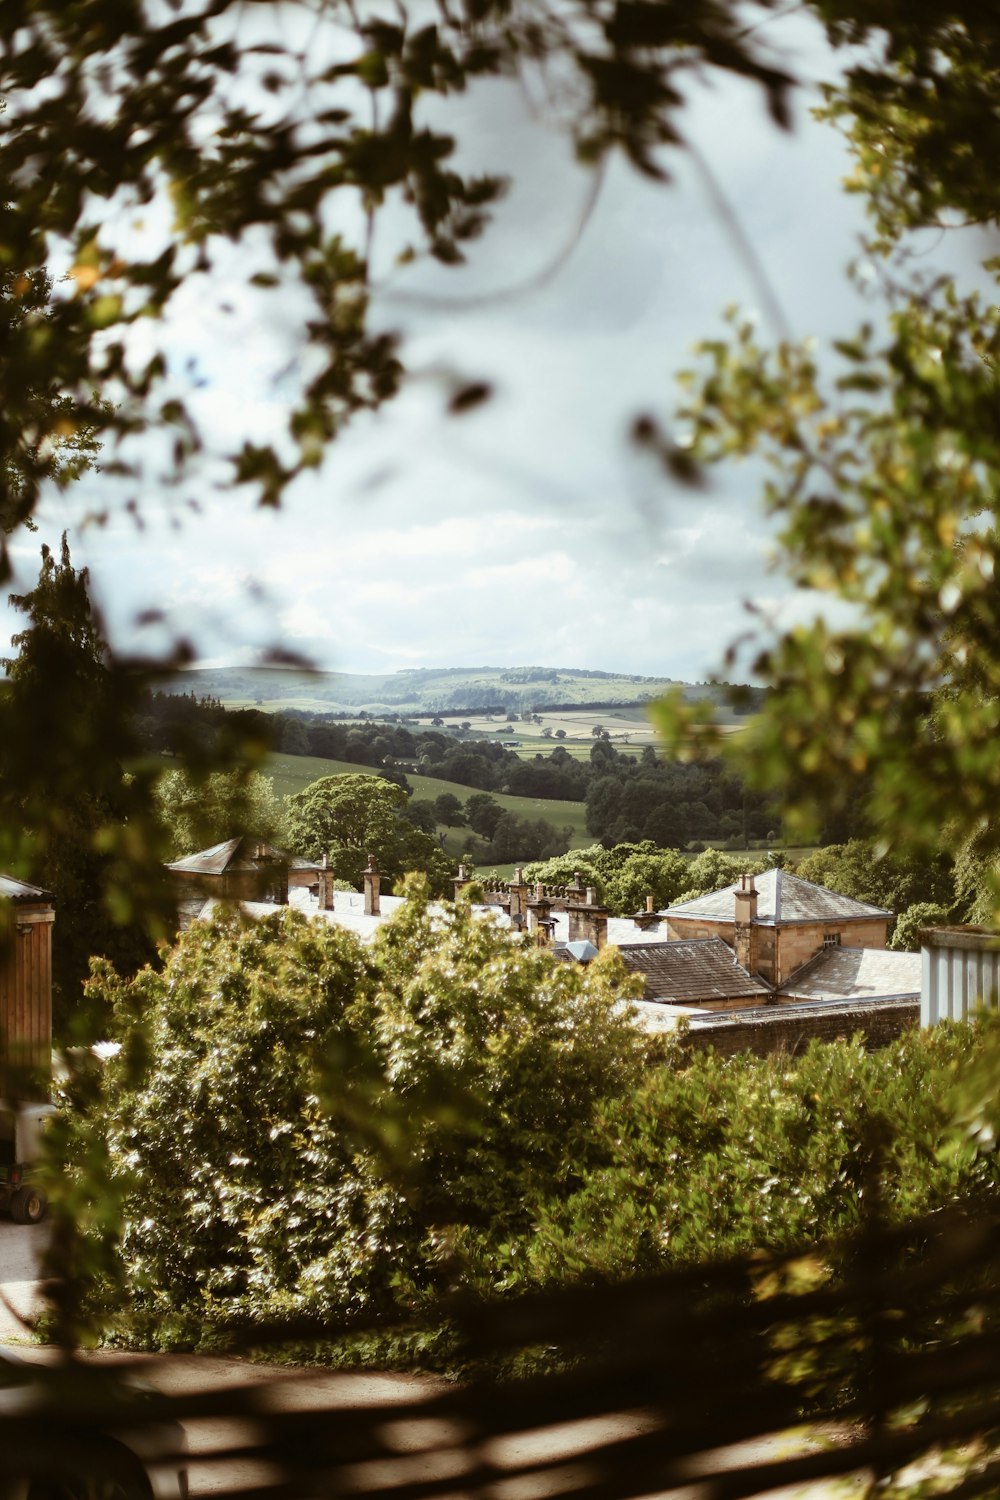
(529, 531)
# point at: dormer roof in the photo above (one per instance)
(246, 853)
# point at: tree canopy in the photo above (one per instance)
(349, 817)
(252, 123)
(885, 463)
(76, 813)
(198, 812)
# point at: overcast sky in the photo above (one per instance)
(528, 531)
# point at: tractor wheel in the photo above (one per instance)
(28, 1206)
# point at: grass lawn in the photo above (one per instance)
(292, 773)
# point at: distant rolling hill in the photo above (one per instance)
(421, 691)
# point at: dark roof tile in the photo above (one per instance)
(691, 971)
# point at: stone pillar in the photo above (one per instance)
(371, 879)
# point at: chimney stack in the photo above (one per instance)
(745, 928)
(588, 921)
(371, 879)
(650, 917)
(518, 896)
(463, 878)
(325, 885)
(540, 923)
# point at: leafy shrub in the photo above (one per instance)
(321, 1127)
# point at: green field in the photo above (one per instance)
(293, 772)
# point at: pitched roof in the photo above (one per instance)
(781, 898)
(237, 854)
(19, 890)
(856, 974)
(691, 971)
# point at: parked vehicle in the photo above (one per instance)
(81, 1432)
(21, 1127)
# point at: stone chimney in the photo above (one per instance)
(462, 878)
(745, 943)
(272, 881)
(648, 918)
(540, 923)
(371, 879)
(518, 897)
(588, 921)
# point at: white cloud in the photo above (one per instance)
(527, 531)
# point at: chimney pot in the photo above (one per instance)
(649, 903)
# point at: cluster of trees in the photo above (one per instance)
(628, 798)
(674, 803)
(349, 1131)
(496, 835)
(625, 874)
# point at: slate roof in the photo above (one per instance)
(856, 974)
(782, 898)
(19, 890)
(655, 1017)
(235, 854)
(692, 971)
(348, 910)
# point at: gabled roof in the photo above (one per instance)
(691, 971)
(237, 854)
(856, 974)
(19, 890)
(781, 898)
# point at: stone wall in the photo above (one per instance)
(782, 949)
(790, 1029)
(799, 942)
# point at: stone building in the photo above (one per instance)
(240, 869)
(776, 922)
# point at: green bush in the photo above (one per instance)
(319, 1127)
(741, 1154)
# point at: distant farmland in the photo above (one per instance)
(291, 773)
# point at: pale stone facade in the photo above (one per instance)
(776, 922)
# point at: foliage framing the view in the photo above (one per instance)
(251, 122)
(885, 465)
